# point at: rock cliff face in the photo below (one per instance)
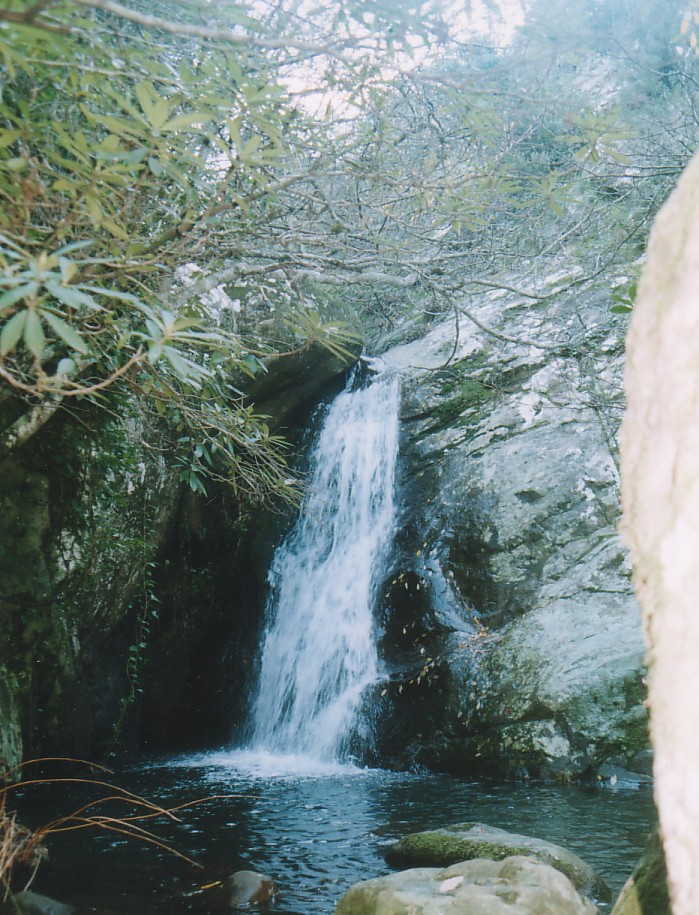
(508, 623)
(518, 634)
(85, 509)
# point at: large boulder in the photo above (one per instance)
(533, 653)
(661, 517)
(646, 892)
(466, 841)
(515, 886)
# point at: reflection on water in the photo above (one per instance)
(315, 833)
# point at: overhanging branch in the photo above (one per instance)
(229, 36)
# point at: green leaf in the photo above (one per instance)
(115, 229)
(252, 365)
(121, 100)
(65, 331)
(34, 334)
(73, 297)
(234, 128)
(129, 157)
(9, 298)
(185, 368)
(195, 483)
(68, 269)
(154, 106)
(16, 251)
(113, 294)
(154, 330)
(155, 166)
(73, 246)
(15, 164)
(12, 331)
(182, 121)
(155, 352)
(7, 137)
(250, 148)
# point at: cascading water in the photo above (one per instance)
(319, 652)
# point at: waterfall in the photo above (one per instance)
(319, 651)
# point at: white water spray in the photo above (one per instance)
(319, 652)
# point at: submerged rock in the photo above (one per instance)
(515, 886)
(613, 776)
(29, 903)
(248, 888)
(466, 841)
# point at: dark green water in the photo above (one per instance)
(314, 832)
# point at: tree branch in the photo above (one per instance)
(29, 15)
(28, 424)
(365, 277)
(66, 388)
(183, 228)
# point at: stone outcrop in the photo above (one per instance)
(519, 634)
(515, 886)
(290, 387)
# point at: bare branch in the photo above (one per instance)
(506, 338)
(201, 31)
(60, 386)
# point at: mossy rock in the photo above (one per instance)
(646, 892)
(466, 841)
(514, 886)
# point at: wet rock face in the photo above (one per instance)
(10, 730)
(83, 511)
(511, 494)
(515, 886)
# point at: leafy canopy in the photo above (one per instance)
(324, 160)
(129, 143)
